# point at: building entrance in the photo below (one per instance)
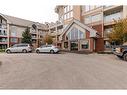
(74, 45)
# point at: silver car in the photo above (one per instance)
(47, 49)
(19, 48)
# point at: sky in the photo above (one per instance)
(43, 10)
(34, 10)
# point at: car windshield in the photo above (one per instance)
(49, 45)
(14, 45)
(43, 46)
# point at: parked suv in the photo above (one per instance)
(19, 48)
(47, 48)
(121, 52)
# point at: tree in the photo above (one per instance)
(27, 38)
(48, 39)
(119, 32)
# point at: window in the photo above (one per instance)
(96, 17)
(3, 39)
(3, 21)
(13, 33)
(67, 15)
(0, 25)
(65, 44)
(43, 46)
(65, 10)
(0, 32)
(87, 8)
(15, 45)
(4, 26)
(21, 45)
(107, 31)
(71, 7)
(110, 17)
(88, 20)
(14, 40)
(75, 34)
(61, 18)
(71, 14)
(81, 35)
(49, 45)
(85, 44)
(4, 32)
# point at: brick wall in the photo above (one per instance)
(99, 44)
(98, 28)
(91, 44)
(87, 34)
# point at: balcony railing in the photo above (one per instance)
(34, 37)
(3, 34)
(4, 42)
(112, 17)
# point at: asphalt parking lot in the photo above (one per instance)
(62, 71)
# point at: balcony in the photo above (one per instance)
(109, 19)
(107, 31)
(3, 26)
(3, 35)
(112, 8)
(3, 41)
(34, 37)
(54, 33)
(33, 31)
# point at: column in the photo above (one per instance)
(56, 35)
(8, 34)
(124, 11)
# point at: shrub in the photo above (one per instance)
(2, 50)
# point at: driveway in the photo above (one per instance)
(62, 71)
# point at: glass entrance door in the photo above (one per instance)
(74, 45)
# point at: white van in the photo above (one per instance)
(19, 48)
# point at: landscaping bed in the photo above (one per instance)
(2, 50)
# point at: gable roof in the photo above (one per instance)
(93, 32)
(22, 22)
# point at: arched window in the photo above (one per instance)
(75, 34)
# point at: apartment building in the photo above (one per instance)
(85, 27)
(101, 18)
(79, 27)
(55, 30)
(11, 29)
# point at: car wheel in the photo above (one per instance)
(119, 57)
(24, 51)
(8, 51)
(125, 56)
(37, 51)
(51, 51)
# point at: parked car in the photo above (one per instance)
(19, 48)
(121, 52)
(47, 49)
